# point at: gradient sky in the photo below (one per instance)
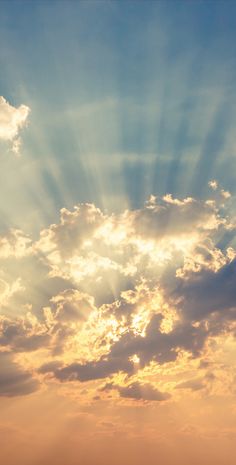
(117, 232)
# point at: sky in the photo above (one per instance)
(117, 232)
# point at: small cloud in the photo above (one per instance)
(192, 384)
(139, 391)
(213, 184)
(12, 119)
(14, 244)
(16, 146)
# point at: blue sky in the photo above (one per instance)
(126, 99)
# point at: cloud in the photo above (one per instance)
(142, 392)
(23, 334)
(14, 243)
(121, 293)
(139, 391)
(66, 316)
(72, 305)
(63, 319)
(11, 121)
(192, 384)
(15, 381)
(93, 249)
(7, 291)
(208, 292)
(171, 217)
(92, 370)
(155, 346)
(61, 240)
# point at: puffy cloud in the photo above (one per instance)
(7, 291)
(75, 227)
(124, 293)
(66, 316)
(63, 319)
(121, 355)
(14, 244)
(208, 292)
(23, 334)
(71, 305)
(213, 184)
(91, 370)
(93, 249)
(15, 381)
(11, 121)
(171, 217)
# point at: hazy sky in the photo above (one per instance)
(117, 232)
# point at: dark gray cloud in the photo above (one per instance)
(138, 391)
(158, 346)
(14, 380)
(208, 292)
(93, 370)
(50, 366)
(155, 346)
(17, 335)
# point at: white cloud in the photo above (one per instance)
(90, 247)
(12, 119)
(14, 243)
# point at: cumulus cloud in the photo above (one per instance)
(23, 334)
(141, 288)
(71, 305)
(208, 293)
(62, 319)
(12, 119)
(90, 248)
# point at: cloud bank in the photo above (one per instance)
(124, 294)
